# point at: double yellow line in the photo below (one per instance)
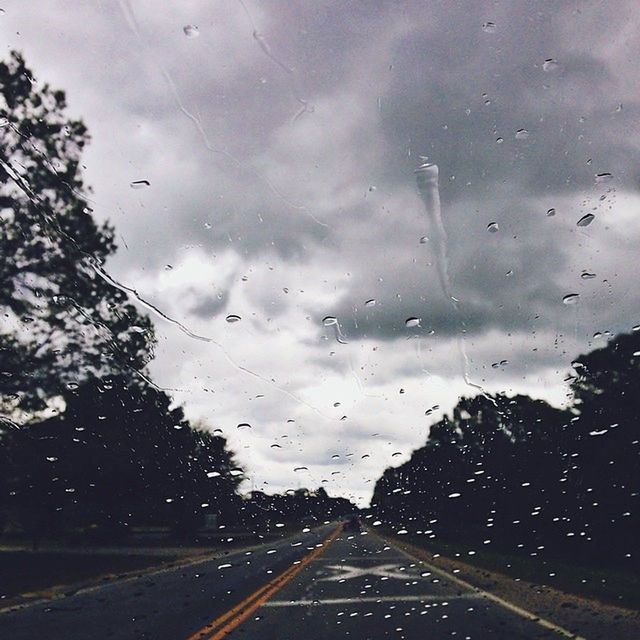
(228, 621)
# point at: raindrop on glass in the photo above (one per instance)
(551, 212)
(571, 298)
(233, 318)
(522, 134)
(603, 177)
(140, 184)
(412, 322)
(370, 303)
(191, 31)
(550, 65)
(329, 321)
(493, 227)
(489, 27)
(586, 220)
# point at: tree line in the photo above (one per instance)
(522, 476)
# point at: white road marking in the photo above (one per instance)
(547, 624)
(347, 572)
(329, 601)
(395, 558)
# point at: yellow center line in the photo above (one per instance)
(228, 621)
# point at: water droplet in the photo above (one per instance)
(550, 65)
(213, 474)
(603, 177)
(370, 303)
(191, 31)
(276, 446)
(233, 318)
(244, 425)
(571, 298)
(489, 27)
(586, 220)
(402, 532)
(522, 134)
(412, 322)
(396, 454)
(236, 472)
(493, 227)
(499, 140)
(329, 321)
(301, 469)
(140, 184)
(551, 212)
(587, 275)
(454, 495)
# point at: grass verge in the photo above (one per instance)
(24, 572)
(610, 586)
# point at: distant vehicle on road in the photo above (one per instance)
(352, 523)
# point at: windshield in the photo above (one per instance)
(321, 317)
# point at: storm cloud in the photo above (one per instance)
(280, 146)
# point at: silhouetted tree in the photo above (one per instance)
(605, 449)
(62, 321)
(300, 506)
(119, 455)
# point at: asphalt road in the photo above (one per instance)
(353, 586)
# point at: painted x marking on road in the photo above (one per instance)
(347, 572)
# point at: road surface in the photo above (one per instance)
(324, 584)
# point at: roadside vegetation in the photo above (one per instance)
(518, 478)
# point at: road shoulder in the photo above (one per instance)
(583, 616)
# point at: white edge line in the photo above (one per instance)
(399, 598)
(489, 596)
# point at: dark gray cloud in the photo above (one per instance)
(209, 307)
(456, 90)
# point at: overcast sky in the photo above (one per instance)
(280, 141)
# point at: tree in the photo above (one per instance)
(62, 321)
(120, 454)
(606, 445)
